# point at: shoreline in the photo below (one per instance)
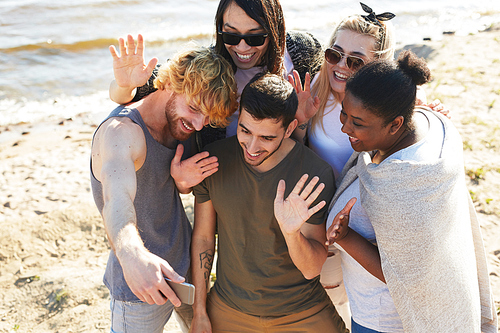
(53, 247)
(99, 100)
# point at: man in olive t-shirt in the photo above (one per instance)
(270, 249)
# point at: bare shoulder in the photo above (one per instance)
(118, 140)
(119, 132)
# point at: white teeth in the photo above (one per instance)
(253, 155)
(189, 128)
(341, 76)
(244, 56)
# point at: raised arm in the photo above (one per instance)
(308, 105)
(119, 150)
(305, 241)
(202, 257)
(130, 69)
(359, 248)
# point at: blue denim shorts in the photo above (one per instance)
(139, 317)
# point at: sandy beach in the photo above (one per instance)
(53, 247)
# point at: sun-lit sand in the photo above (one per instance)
(53, 247)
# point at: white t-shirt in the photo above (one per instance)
(330, 144)
(370, 300)
(242, 77)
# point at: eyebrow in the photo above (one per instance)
(358, 118)
(262, 136)
(355, 53)
(195, 108)
(227, 25)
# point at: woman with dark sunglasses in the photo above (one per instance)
(251, 35)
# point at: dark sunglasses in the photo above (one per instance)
(333, 57)
(251, 40)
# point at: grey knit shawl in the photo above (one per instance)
(428, 237)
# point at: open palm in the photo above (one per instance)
(308, 104)
(128, 66)
(292, 212)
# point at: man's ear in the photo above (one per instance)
(396, 124)
(291, 127)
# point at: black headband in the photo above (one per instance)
(373, 18)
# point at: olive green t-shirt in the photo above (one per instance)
(255, 273)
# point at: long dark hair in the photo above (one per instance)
(269, 15)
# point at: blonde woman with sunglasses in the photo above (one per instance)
(356, 41)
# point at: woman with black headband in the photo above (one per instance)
(356, 41)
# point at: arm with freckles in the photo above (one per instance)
(119, 150)
(358, 247)
(202, 256)
(304, 240)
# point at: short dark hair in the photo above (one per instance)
(269, 14)
(388, 88)
(270, 96)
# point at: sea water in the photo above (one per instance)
(55, 62)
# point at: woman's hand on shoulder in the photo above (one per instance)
(435, 106)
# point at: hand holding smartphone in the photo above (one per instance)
(184, 291)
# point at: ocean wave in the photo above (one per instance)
(14, 112)
(34, 7)
(98, 43)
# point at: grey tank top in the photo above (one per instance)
(161, 219)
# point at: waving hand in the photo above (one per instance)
(129, 67)
(308, 105)
(293, 211)
(340, 226)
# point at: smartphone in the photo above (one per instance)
(184, 290)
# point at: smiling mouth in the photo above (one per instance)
(254, 155)
(190, 129)
(244, 57)
(353, 140)
(340, 76)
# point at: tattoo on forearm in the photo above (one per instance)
(302, 126)
(206, 261)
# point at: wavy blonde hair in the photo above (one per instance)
(205, 78)
(383, 49)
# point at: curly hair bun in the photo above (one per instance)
(415, 67)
